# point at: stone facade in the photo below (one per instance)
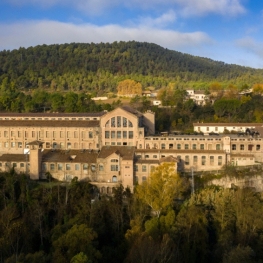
(113, 148)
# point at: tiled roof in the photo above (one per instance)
(49, 123)
(86, 114)
(126, 152)
(14, 158)
(143, 161)
(168, 159)
(237, 124)
(74, 156)
(132, 111)
(242, 155)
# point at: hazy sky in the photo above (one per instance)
(224, 30)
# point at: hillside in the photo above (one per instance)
(99, 67)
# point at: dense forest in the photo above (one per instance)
(161, 222)
(98, 68)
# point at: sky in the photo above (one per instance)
(224, 30)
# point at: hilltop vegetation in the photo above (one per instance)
(100, 67)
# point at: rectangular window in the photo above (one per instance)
(194, 146)
(52, 167)
(101, 167)
(33, 134)
(144, 169)
(118, 134)
(258, 147)
(60, 166)
(113, 134)
(22, 165)
(44, 167)
(6, 145)
(61, 134)
(202, 146)
(76, 135)
(90, 134)
(242, 147)
(234, 147)
(68, 134)
(67, 166)
(203, 160)
(114, 167)
(186, 146)
(124, 134)
(218, 147)
(5, 133)
(195, 159)
(19, 134)
(220, 160)
(162, 146)
(85, 166)
(211, 160)
(178, 146)
(136, 168)
(107, 134)
(77, 166)
(130, 134)
(118, 121)
(12, 133)
(124, 122)
(186, 160)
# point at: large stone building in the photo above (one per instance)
(113, 148)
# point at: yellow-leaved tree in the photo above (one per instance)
(162, 187)
(129, 87)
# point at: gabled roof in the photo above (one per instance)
(126, 152)
(132, 111)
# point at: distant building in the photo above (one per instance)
(117, 147)
(198, 96)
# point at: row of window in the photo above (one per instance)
(21, 165)
(187, 161)
(47, 134)
(119, 122)
(181, 139)
(181, 146)
(69, 166)
(242, 147)
(48, 145)
(119, 134)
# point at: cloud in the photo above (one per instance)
(202, 7)
(250, 45)
(31, 33)
(161, 21)
(186, 7)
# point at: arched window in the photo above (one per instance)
(114, 179)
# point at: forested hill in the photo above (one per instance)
(99, 67)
